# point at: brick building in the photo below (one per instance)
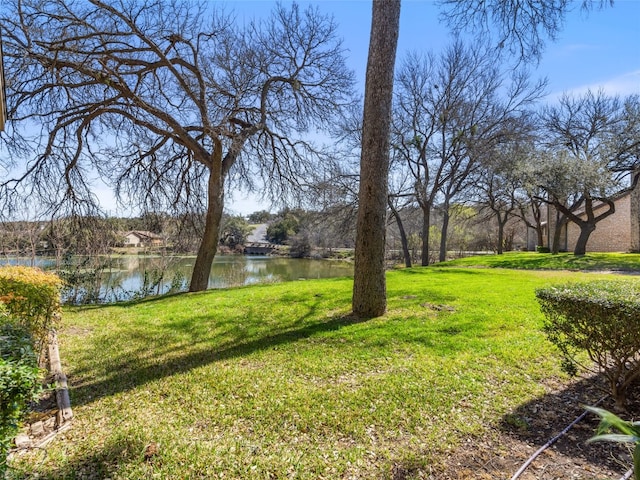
(619, 232)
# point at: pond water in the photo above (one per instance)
(125, 277)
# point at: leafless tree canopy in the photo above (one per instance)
(500, 186)
(166, 100)
(596, 127)
(452, 112)
(522, 26)
(145, 92)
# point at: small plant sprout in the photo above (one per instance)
(630, 433)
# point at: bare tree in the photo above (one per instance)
(169, 101)
(22, 231)
(450, 112)
(413, 127)
(401, 198)
(501, 187)
(593, 144)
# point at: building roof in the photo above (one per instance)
(142, 234)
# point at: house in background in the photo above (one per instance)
(140, 238)
(619, 232)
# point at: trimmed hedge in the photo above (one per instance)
(601, 318)
(20, 380)
(32, 297)
(29, 309)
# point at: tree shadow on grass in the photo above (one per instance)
(536, 422)
(94, 464)
(441, 268)
(523, 431)
(127, 375)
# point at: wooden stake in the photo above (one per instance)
(62, 391)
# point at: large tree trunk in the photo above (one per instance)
(369, 282)
(209, 243)
(561, 221)
(445, 232)
(537, 218)
(500, 246)
(540, 235)
(586, 228)
(426, 220)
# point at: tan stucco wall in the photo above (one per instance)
(613, 234)
(132, 239)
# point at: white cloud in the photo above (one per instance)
(622, 85)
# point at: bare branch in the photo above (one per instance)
(164, 98)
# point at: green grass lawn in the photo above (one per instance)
(277, 381)
(561, 261)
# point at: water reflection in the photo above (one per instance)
(133, 276)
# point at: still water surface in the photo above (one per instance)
(129, 276)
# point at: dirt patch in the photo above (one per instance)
(438, 307)
(78, 331)
(501, 453)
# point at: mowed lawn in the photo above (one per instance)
(619, 262)
(277, 381)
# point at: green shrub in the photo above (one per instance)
(235, 231)
(29, 309)
(20, 380)
(282, 230)
(602, 319)
(542, 249)
(32, 297)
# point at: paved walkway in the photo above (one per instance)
(259, 234)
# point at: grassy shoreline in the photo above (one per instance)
(277, 381)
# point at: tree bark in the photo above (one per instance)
(403, 236)
(588, 226)
(426, 220)
(63, 401)
(369, 282)
(536, 210)
(560, 222)
(586, 229)
(445, 231)
(209, 243)
(501, 224)
(539, 236)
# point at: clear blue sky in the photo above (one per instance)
(600, 48)
(597, 49)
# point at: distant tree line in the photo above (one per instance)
(93, 235)
(457, 184)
